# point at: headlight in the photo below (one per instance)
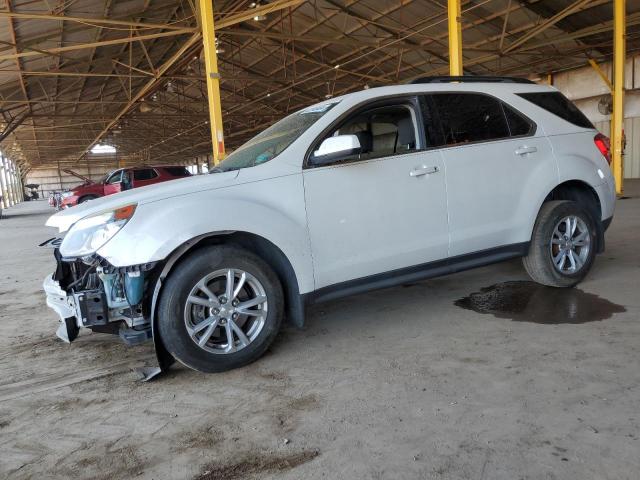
(90, 233)
(66, 194)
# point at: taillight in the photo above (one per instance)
(604, 145)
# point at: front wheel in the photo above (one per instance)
(563, 245)
(220, 309)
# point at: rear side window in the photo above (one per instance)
(469, 117)
(559, 105)
(518, 124)
(144, 174)
(177, 171)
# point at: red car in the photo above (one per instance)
(121, 179)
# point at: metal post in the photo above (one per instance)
(617, 123)
(20, 181)
(3, 186)
(9, 177)
(16, 195)
(213, 80)
(455, 38)
(602, 75)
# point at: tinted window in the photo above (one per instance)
(144, 174)
(177, 171)
(559, 105)
(382, 131)
(468, 117)
(518, 125)
(432, 132)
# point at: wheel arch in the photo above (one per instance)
(268, 251)
(583, 193)
(257, 244)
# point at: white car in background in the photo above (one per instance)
(373, 189)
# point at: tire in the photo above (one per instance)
(86, 198)
(571, 268)
(177, 313)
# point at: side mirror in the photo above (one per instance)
(335, 148)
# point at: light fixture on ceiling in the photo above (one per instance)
(103, 148)
(171, 88)
(259, 17)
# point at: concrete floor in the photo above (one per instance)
(392, 384)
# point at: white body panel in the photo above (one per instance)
(372, 216)
(494, 194)
(349, 221)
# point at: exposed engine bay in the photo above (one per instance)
(91, 293)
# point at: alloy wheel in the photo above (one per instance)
(226, 311)
(570, 244)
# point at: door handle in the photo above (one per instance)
(525, 150)
(423, 170)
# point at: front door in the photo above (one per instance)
(113, 183)
(385, 208)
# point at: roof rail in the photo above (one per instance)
(470, 78)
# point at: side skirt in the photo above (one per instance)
(417, 272)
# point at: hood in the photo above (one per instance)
(184, 186)
(81, 177)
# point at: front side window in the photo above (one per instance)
(144, 174)
(469, 117)
(115, 177)
(274, 140)
(382, 131)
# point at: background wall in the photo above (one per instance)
(585, 87)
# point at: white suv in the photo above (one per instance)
(373, 189)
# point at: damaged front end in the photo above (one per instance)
(90, 292)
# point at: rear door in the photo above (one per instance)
(381, 210)
(497, 163)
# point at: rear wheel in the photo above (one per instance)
(563, 245)
(220, 309)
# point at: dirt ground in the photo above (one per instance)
(396, 384)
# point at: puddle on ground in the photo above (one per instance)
(530, 302)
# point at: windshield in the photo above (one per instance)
(271, 142)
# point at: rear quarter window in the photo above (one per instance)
(177, 171)
(559, 105)
(144, 174)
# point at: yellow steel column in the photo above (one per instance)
(455, 38)
(213, 79)
(617, 122)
